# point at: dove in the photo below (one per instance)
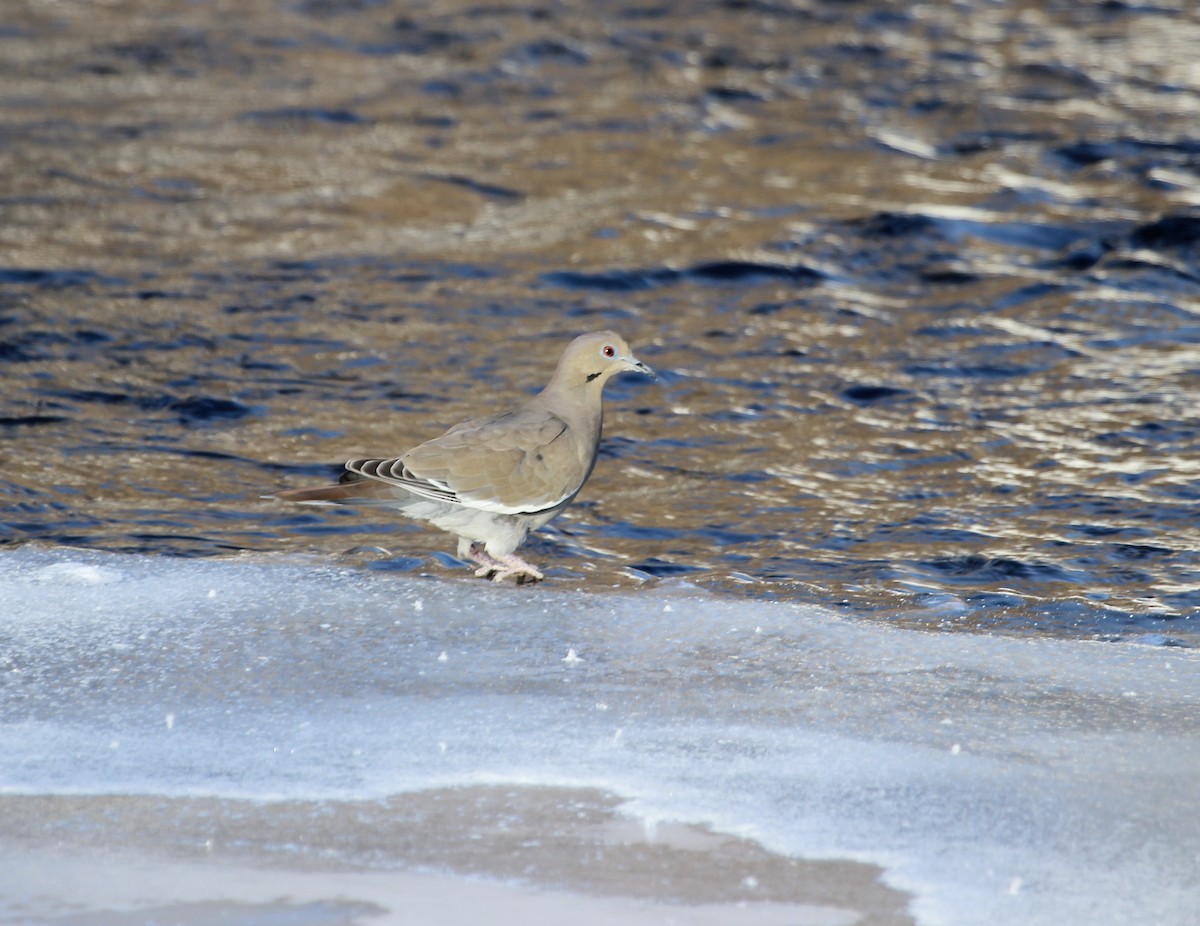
(492, 480)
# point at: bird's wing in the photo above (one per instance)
(519, 462)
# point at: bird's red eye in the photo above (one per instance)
(609, 351)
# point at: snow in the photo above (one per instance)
(1001, 780)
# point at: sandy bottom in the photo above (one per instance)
(442, 858)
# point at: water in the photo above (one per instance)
(922, 284)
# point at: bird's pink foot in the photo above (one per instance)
(512, 566)
(498, 568)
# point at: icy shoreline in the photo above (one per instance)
(998, 780)
(497, 854)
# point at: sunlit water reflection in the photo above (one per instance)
(921, 284)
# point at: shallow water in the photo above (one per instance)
(921, 283)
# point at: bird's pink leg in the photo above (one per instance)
(477, 554)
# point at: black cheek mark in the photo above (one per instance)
(592, 376)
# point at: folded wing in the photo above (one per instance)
(519, 462)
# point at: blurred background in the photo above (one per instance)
(920, 280)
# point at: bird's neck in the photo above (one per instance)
(579, 404)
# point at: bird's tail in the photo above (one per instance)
(351, 490)
(338, 493)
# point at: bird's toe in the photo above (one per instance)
(511, 566)
(519, 573)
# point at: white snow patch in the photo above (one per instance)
(1006, 782)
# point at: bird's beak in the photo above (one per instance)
(633, 365)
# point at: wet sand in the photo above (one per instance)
(469, 855)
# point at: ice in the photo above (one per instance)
(79, 574)
(1001, 780)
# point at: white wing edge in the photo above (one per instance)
(438, 491)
